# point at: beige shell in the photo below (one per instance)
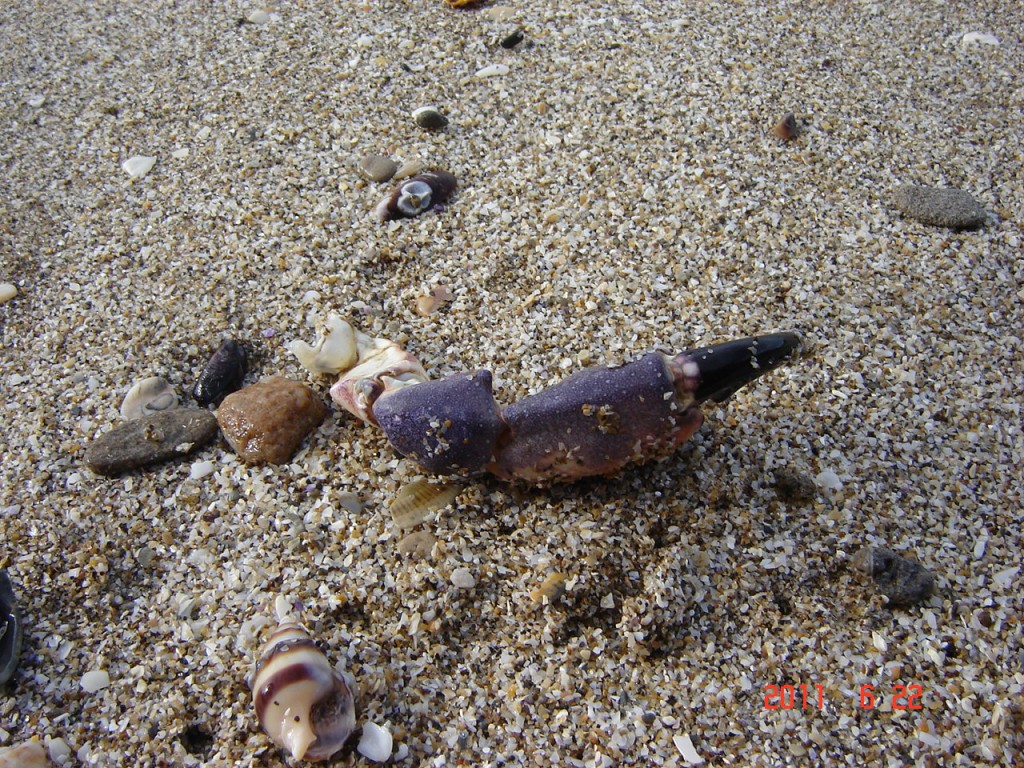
(302, 703)
(147, 397)
(334, 350)
(30, 754)
(418, 499)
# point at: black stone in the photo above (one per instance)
(222, 375)
(905, 582)
(10, 630)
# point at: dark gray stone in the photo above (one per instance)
(10, 630)
(941, 207)
(153, 438)
(903, 581)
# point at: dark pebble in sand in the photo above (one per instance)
(940, 207)
(222, 375)
(153, 438)
(793, 486)
(267, 421)
(905, 582)
(10, 630)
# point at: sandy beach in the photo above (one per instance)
(620, 189)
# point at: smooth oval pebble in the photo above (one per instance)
(7, 292)
(429, 118)
(159, 436)
(418, 499)
(375, 743)
(30, 754)
(138, 166)
(148, 396)
(493, 70)
(510, 41)
(463, 578)
(377, 168)
(96, 680)
(940, 207)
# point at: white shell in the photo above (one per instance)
(138, 166)
(493, 70)
(333, 351)
(301, 702)
(148, 396)
(7, 292)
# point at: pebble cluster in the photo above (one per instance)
(627, 181)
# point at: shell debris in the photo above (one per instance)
(429, 303)
(550, 590)
(148, 396)
(417, 500)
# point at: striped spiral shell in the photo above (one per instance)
(301, 702)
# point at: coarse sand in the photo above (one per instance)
(621, 189)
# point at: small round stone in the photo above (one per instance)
(510, 41)
(463, 578)
(940, 207)
(377, 168)
(7, 292)
(429, 118)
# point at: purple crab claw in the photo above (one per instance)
(593, 423)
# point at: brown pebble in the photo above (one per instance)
(552, 588)
(265, 423)
(985, 618)
(156, 437)
(787, 128)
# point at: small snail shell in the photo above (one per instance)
(413, 196)
(302, 703)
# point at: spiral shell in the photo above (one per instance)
(414, 196)
(301, 702)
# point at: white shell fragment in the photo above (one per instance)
(418, 499)
(7, 292)
(30, 754)
(301, 702)
(463, 578)
(978, 38)
(334, 350)
(138, 166)
(375, 743)
(201, 469)
(258, 16)
(96, 680)
(148, 396)
(687, 750)
(493, 70)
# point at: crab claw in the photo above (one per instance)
(726, 367)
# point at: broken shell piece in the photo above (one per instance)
(138, 166)
(414, 196)
(430, 118)
(375, 743)
(552, 588)
(31, 754)
(223, 374)
(787, 128)
(148, 396)
(301, 702)
(334, 350)
(418, 499)
(433, 301)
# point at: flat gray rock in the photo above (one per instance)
(154, 438)
(904, 581)
(940, 207)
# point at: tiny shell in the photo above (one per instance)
(95, 680)
(552, 588)
(301, 702)
(7, 292)
(416, 195)
(510, 41)
(787, 128)
(138, 166)
(493, 70)
(418, 499)
(222, 375)
(377, 168)
(148, 396)
(417, 544)
(409, 168)
(429, 118)
(334, 350)
(31, 754)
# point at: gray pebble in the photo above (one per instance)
(905, 582)
(794, 487)
(10, 630)
(377, 168)
(940, 207)
(153, 438)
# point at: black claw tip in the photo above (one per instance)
(726, 367)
